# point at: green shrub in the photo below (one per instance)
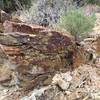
(84, 2)
(75, 22)
(93, 1)
(12, 5)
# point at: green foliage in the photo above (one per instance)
(75, 22)
(84, 2)
(12, 5)
(7, 4)
(93, 1)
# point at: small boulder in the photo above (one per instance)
(62, 80)
(4, 16)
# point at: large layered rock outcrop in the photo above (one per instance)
(33, 51)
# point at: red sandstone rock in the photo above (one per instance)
(10, 50)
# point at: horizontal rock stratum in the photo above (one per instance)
(11, 26)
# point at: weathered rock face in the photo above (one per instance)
(46, 49)
(3, 56)
(4, 16)
(79, 56)
(36, 54)
(1, 28)
(21, 27)
(98, 45)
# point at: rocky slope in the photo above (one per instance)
(33, 56)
